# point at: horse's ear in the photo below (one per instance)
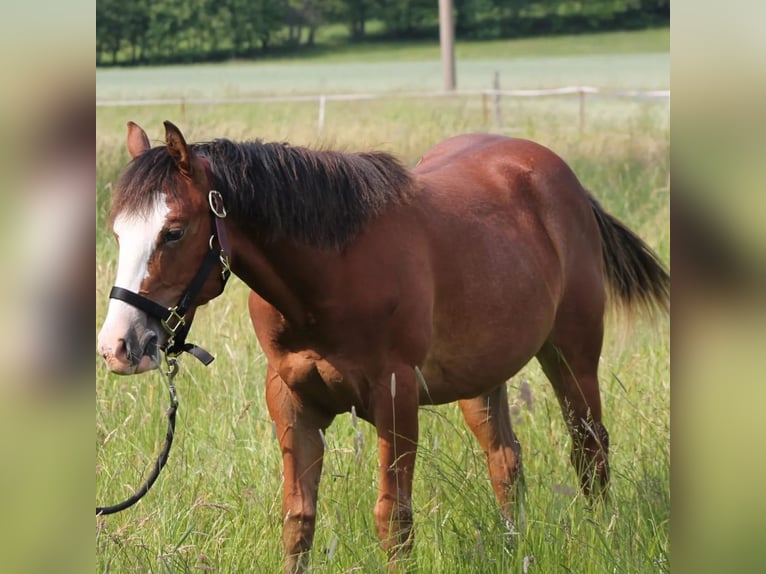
(177, 148)
(138, 141)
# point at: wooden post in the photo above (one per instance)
(183, 111)
(447, 43)
(498, 110)
(320, 120)
(582, 110)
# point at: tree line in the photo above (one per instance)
(165, 31)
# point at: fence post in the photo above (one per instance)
(320, 120)
(582, 109)
(498, 111)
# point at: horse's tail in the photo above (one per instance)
(635, 275)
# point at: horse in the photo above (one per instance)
(379, 288)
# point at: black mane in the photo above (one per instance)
(322, 198)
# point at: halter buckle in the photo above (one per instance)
(223, 258)
(173, 321)
(226, 271)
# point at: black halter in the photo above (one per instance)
(173, 319)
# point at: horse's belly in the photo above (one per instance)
(469, 372)
(481, 341)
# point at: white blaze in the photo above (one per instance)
(137, 236)
(137, 241)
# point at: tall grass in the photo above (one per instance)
(216, 507)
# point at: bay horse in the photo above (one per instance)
(380, 288)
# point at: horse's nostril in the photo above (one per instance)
(121, 351)
(148, 342)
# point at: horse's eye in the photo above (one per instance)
(171, 235)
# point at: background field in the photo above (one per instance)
(638, 60)
(216, 506)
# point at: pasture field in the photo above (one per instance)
(617, 60)
(216, 506)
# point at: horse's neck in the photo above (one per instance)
(260, 270)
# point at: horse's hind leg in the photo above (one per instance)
(489, 419)
(570, 361)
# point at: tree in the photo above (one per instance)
(156, 31)
(353, 13)
(406, 18)
(312, 16)
(110, 29)
(268, 17)
(135, 25)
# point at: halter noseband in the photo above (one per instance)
(173, 319)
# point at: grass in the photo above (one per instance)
(333, 46)
(339, 50)
(241, 79)
(216, 505)
(629, 60)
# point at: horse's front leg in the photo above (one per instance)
(396, 420)
(297, 426)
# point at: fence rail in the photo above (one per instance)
(580, 91)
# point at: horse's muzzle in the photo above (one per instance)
(132, 354)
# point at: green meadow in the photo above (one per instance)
(617, 60)
(216, 506)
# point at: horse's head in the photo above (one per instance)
(161, 219)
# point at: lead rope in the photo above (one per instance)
(171, 372)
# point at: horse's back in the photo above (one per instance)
(495, 181)
(447, 150)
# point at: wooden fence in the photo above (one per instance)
(491, 99)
